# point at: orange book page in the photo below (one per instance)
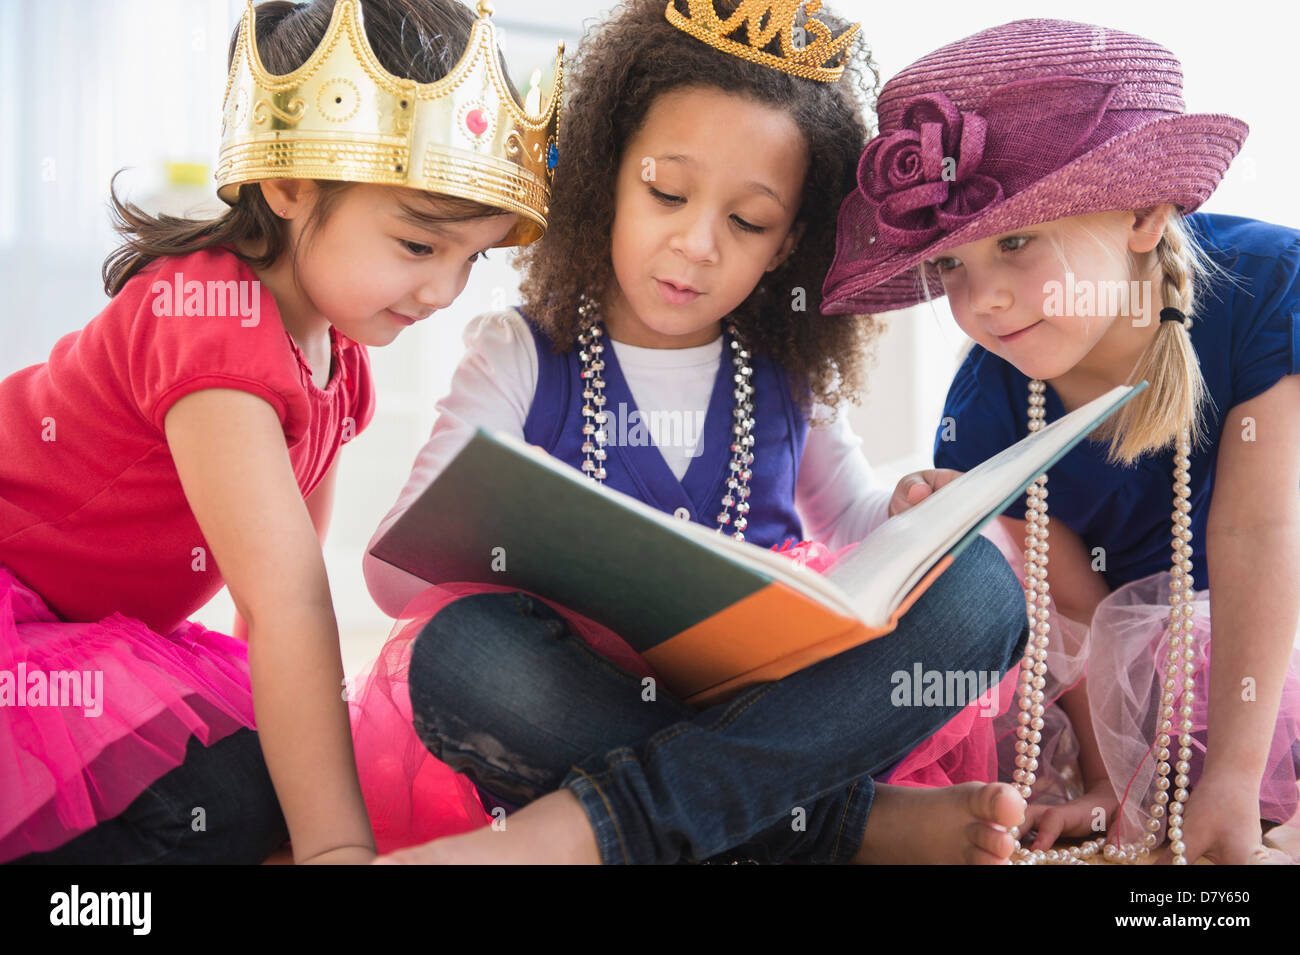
(765, 637)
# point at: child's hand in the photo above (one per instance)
(1221, 823)
(1075, 818)
(917, 486)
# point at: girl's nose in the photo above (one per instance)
(440, 291)
(987, 292)
(695, 239)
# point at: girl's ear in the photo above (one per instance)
(290, 195)
(788, 245)
(1149, 227)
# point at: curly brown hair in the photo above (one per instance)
(622, 66)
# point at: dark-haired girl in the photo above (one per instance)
(188, 437)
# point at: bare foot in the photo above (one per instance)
(953, 825)
(553, 830)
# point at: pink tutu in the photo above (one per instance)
(1125, 675)
(1120, 654)
(77, 750)
(412, 796)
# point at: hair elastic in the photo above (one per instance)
(1173, 315)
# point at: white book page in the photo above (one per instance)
(878, 575)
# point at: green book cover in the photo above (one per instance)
(500, 514)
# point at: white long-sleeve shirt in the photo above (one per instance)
(836, 496)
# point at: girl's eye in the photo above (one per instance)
(668, 200)
(946, 263)
(423, 251)
(1013, 243)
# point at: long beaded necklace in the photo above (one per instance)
(595, 436)
(1180, 657)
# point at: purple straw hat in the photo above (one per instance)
(1024, 123)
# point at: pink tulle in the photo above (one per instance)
(411, 795)
(814, 555)
(1125, 676)
(68, 767)
(1120, 653)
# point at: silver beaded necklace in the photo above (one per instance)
(594, 417)
(1181, 656)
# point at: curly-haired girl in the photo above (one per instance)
(668, 347)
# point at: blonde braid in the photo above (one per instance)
(1175, 392)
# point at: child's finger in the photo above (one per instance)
(1049, 829)
(902, 497)
(941, 476)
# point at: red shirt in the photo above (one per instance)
(92, 515)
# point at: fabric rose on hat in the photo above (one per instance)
(944, 166)
(924, 175)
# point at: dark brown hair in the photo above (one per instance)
(419, 40)
(622, 66)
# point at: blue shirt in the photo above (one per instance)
(1247, 336)
(638, 468)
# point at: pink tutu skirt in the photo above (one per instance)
(91, 714)
(413, 797)
(1126, 671)
(1123, 656)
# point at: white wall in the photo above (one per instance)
(89, 86)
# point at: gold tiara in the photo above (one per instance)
(341, 116)
(763, 21)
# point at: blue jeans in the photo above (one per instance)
(242, 821)
(502, 690)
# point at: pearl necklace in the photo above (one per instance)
(594, 415)
(1033, 668)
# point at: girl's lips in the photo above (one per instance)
(674, 295)
(1015, 336)
(401, 318)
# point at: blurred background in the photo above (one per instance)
(88, 87)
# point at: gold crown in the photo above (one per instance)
(808, 60)
(342, 116)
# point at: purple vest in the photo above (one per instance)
(555, 423)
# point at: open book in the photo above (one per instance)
(710, 614)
